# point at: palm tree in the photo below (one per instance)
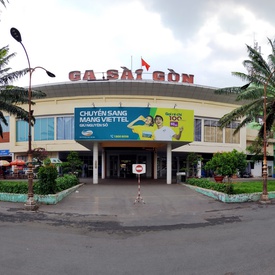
(11, 96)
(260, 73)
(3, 2)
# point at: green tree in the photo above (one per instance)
(256, 149)
(259, 73)
(73, 164)
(12, 96)
(227, 163)
(3, 2)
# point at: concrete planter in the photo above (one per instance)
(42, 199)
(230, 198)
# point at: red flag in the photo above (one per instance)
(143, 63)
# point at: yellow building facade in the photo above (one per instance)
(55, 128)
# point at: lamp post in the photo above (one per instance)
(30, 204)
(264, 196)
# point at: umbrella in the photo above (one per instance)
(4, 163)
(18, 162)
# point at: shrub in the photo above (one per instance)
(227, 163)
(65, 182)
(46, 180)
(21, 187)
(226, 188)
(73, 164)
(15, 187)
(39, 188)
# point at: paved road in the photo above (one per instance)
(164, 204)
(98, 230)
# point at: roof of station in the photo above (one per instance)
(134, 87)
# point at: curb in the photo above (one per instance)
(238, 198)
(43, 199)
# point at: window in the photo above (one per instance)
(212, 132)
(65, 128)
(44, 129)
(22, 130)
(6, 128)
(197, 129)
(229, 136)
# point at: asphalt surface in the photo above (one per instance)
(159, 204)
(100, 230)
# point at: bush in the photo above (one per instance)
(66, 182)
(226, 188)
(15, 187)
(73, 165)
(47, 180)
(227, 163)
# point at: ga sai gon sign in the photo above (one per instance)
(127, 74)
(134, 123)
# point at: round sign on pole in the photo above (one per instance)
(139, 168)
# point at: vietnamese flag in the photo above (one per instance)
(143, 63)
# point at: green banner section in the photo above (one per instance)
(134, 123)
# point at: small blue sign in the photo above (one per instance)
(5, 153)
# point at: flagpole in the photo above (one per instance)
(131, 63)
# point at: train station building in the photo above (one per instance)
(121, 119)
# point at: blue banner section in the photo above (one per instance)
(133, 123)
(5, 153)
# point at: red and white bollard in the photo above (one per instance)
(139, 198)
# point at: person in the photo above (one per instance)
(144, 131)
(165, 132)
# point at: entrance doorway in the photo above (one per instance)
(119, 164)
(113, 171)
(126, 163)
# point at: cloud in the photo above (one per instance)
(206, 38)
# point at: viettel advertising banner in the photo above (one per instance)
(134, 123)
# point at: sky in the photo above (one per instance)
(205, 38)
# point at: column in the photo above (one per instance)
(103, 164)
(169, 163)
(199, 169)
(95, 163)
(155, 164)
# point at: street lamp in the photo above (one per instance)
(30, 204)
(264, 196)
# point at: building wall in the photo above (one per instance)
(65, 106)
(52, 106)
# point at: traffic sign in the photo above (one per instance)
(139, 168)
